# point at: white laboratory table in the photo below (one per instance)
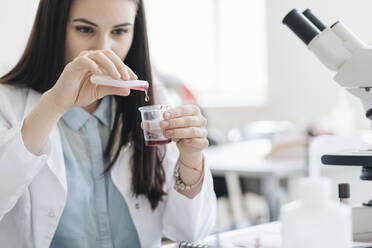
(263, 236)
(248, 159)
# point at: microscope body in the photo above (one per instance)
(358, 69)
(340, 50)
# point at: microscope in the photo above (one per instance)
(340, 50)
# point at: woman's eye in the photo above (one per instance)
(120, 31)
(83, 29)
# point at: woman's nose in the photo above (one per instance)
(103, 42)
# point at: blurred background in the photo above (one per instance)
(266, 97)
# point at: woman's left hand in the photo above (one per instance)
(187, 127)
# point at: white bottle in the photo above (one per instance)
(315, 221)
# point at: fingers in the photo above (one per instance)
(175, 134)
(104, 62)
(186, 121)
(191, 132)
(119, 65)
(132, 75)
(186, 110)
(125, 72)
(102, 90)
(184, 125)
(198, 143)
(85, 63)
(109, 62)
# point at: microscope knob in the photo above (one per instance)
(344, 191)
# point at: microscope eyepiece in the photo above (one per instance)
(301, 26)
(314, 19)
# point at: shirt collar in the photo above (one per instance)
(76, 117)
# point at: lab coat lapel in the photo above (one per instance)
(55, 161)
(120, 172)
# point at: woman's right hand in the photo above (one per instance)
(74, 88)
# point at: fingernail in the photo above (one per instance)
(169, 132)
(164, 124)
(167, 115)
(187, 141)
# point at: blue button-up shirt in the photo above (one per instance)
(96, 214)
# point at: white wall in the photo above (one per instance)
(16, 20)
(300, 87)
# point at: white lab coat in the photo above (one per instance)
(33, 188)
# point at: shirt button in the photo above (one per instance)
(137, 205)
(51, 214)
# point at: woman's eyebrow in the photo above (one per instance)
(123, 25)
(85, 21)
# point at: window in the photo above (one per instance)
(216, 47)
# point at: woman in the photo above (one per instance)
(74, 168)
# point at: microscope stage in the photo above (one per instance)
(349, 158)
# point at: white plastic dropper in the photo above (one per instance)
(130, 84)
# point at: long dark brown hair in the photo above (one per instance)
(42, 63)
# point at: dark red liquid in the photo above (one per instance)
(157, 142)
(143, 88)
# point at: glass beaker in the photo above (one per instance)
(151, 116)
